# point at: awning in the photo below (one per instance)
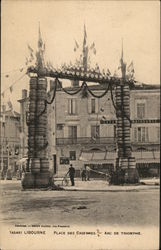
(98, 157)
(147, 156)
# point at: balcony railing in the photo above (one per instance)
(85, 140)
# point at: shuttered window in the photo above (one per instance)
(141, 134)
(141, 110)
(95, 131)
(72, 106)
(93, 106)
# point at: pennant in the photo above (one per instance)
(11, 88)
(76, 46)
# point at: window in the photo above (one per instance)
(141, 134)
(95, 131)
(59, 126)
(72, 155)
(72, 131)
(140, 110)
(93, 106)
(72, 106)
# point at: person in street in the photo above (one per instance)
(83, 174)
(71, 173)
(88, 173)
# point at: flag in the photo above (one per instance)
(130, 68)
(11, 88)
(130, 71)
(76, 46)
(108, 72)
(92, 47)
(10, 105)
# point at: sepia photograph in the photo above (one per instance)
(80, 125)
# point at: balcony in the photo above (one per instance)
(85, 140)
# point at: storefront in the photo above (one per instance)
(101, 162)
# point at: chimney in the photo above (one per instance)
(75, 83)
(24, 93)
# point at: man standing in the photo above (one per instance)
(88, 172)
(71, 173)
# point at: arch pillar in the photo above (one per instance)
(125, 163)
(37, 175)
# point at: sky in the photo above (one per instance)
(62, 22)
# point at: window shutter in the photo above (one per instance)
(69, 106)
(135, 134)
(89, 105)
(96, 105)
(146, 135)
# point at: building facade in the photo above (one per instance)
(82, 131)
(10, 139)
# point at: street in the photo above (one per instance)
(132, 208)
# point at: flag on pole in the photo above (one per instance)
(130, 68)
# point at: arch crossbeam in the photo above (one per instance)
(80, 76)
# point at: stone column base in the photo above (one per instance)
(131, 176)
(39, 180)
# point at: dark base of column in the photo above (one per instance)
(124, 176)
(39, 180)
(131, 176)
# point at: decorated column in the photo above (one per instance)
(37, 174)
(125, 163)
